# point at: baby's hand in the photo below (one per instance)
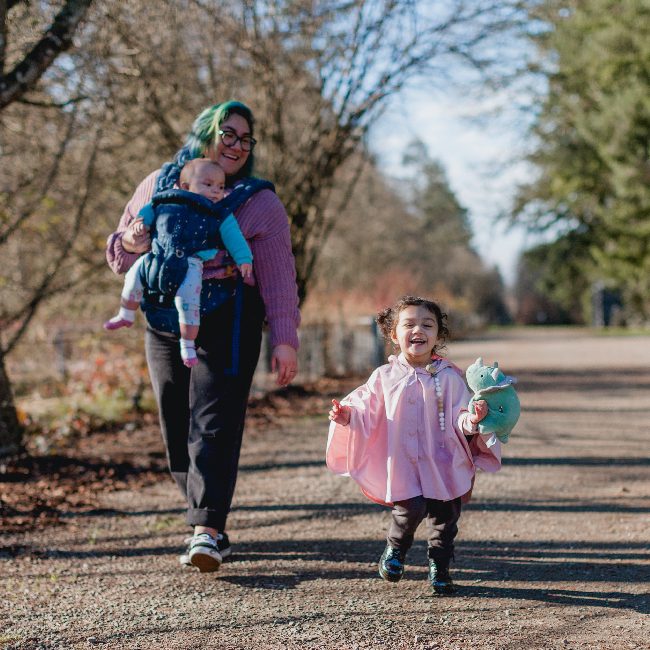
(340, 413)
(246, 270)
(139, 228)
(136, 239)
(480, 411)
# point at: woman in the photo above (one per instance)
(202, 409)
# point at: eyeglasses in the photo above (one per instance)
(230, 138)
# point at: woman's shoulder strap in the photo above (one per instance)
(243, 191)
(252, 185)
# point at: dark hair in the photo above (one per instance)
(205, 131)
(388, 318)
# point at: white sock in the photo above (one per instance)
(126, 314)
(188, 350)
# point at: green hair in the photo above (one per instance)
(205, 127)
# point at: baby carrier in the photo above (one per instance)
(185, 224)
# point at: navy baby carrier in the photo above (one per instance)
(185, 224)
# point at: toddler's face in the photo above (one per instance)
(209, 181)
(416, 334)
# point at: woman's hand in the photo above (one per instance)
(284, 361)
(340, 413)
(136, 238)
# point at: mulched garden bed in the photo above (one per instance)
(39, 489)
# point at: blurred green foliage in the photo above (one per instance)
(593, 135)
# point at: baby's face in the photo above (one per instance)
(209, 181)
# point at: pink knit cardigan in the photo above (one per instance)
(263, 221)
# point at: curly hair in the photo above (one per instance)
(388, 318)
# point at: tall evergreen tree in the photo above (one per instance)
(593, 132)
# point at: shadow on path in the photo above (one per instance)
(606, 379)
(562, 573)
(556, 506)
(579, 461)
(523, 562)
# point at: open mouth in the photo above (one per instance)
(417, 341)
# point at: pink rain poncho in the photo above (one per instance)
(394, 446)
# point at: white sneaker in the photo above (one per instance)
(204, 553)
(223, 544)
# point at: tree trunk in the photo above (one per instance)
(56, 39)
(11, 432)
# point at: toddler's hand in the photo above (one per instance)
(480, 411)
(246, 270)
(340, 413)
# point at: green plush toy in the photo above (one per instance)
(491, 385)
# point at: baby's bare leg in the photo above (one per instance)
(189, 332)
(188, 304)
(129, 300)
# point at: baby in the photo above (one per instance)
(205, 178)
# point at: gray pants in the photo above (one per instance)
(441, 521)
(202, 411)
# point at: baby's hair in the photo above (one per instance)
(191, 167)
(388, 318)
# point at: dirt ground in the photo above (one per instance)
(553, 551)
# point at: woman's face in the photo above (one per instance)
(230, 159)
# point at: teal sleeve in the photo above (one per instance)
(206, 254)
(147, 214)
(234, 241)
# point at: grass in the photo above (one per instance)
(52, 422)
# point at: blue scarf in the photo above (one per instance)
(170, 173)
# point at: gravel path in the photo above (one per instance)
(553, 551)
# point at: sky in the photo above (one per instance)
(479, 156)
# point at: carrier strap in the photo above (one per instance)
(161, 304)
(236, 327)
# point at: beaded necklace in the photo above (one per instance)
(431, 368)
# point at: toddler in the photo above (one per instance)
(407, 439)
(203, 177)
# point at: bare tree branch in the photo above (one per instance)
(49, 176)
(44, 289)
(3, 34)
(156, 106)
(56, 39)
(43, 104)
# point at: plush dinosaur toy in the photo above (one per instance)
(491, 385)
